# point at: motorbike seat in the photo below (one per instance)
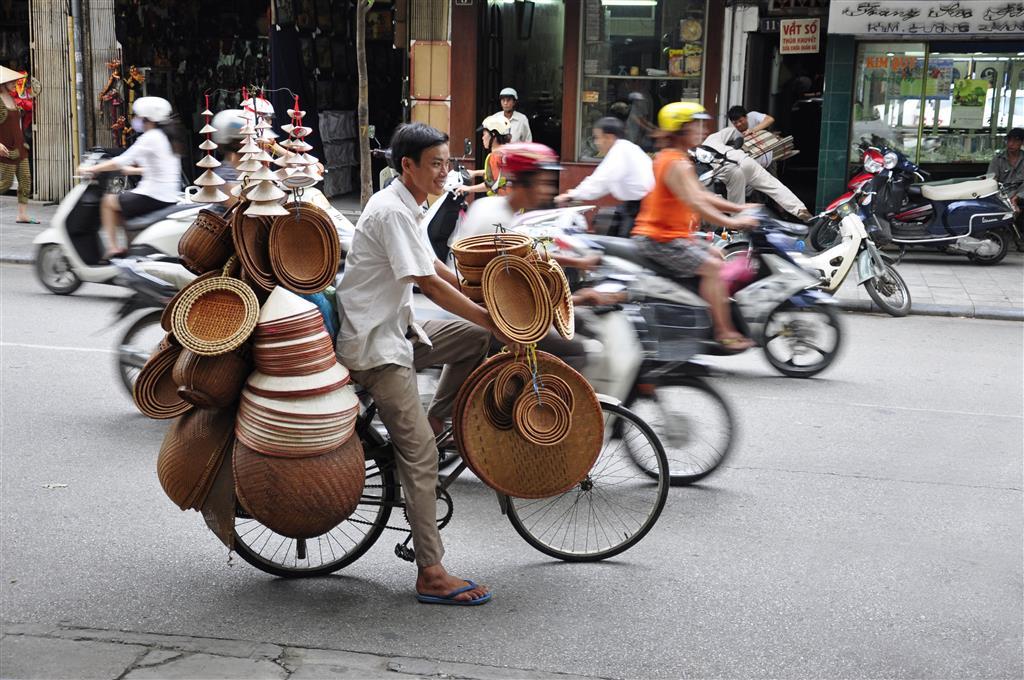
(960, 189)
(627, 249)
(142, 221)
(794, 229)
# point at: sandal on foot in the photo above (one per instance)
(30, 220)
(450, 597)
(735, 344)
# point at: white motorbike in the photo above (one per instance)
(70, 252)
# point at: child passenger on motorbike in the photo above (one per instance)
(497, 132)
(156, 156)
(383, 346)
(668, 215)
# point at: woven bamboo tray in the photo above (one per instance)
(191, 453)
(511, 465)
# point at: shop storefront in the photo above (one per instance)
(575, 61)
(941, 81)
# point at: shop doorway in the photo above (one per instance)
(789, 88)
(522, 47)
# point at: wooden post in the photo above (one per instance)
(363, 109)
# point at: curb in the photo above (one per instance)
(17, 259)
(931, 309)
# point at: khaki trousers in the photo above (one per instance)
(750, 176)
(460, 346)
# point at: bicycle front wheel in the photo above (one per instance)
(279, 555)
(693, 422)
(612, 508)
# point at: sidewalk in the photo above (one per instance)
(40, 651)
(940, 285)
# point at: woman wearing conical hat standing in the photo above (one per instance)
(13, 149)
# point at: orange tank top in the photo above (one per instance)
(663, 217)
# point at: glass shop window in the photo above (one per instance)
(636, 57)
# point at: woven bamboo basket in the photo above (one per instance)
(251, 236)
(471, 275)
(478, 251)
(517, 298)
(167, 318)
(304, 249)
(541, 417)
(212, 382)
(514, 466)
(482, 374)
(564, 312)
(216, 315)
(155, 392)
(509, 383)
(473, 292)
(206, 245)
(560, 388)
(191, 453)
(300, 497)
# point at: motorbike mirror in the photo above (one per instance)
(467, 147)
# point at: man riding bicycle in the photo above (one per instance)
(383, 346)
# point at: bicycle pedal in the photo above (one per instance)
(404, 552)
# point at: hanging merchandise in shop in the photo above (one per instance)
(997, 18)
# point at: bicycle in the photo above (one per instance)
(608, 512)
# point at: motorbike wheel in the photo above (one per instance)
(695, 426)
(824, 235)
(890, 292)
(54, 271)
(137, 344)
(1000, 239)
(734, 250)
(794, 347)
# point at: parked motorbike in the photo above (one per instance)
(69, 252)
(825, 233)
(971, 216)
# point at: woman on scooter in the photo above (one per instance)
(668, 215)
(155, 156)
(497, 132)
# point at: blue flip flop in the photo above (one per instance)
(450, 597)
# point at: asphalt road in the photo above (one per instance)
(869, 524)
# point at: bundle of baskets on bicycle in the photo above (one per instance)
(281, 454)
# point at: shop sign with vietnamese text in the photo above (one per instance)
(927, 18)
(799, 36)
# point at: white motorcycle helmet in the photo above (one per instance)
(229, 123)
(154, 109)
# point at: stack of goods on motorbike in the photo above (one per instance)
(265, 415)
(525, 422)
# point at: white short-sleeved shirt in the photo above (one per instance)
(375, 309)
(161, 167)
(520, 125)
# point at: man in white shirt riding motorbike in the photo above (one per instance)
(509, 99)
(625, 173)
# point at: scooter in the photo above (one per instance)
(971, 216)
(857, 247)
(774, 302)
(69, 252)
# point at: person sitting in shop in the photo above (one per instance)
(1008, 168)
(496, 131)
(156, 156)
(668, 215)
(744, 124)
(383, 346)
(625, 173)
(509, 100)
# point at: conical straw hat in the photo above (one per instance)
(206, 112)
(269, 208)
(208, 145)
(292, 113)
(250, 146)
(208, 162)
(9, 76)
(265, 191)
(283, 303)
(209, 179)
(207, 129)
(264, 174)
(209, 195)
(249, 166)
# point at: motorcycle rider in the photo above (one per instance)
(496, 131)
(156, 156)
(625, 173)
(664, 227)
(532, 171)
(509, 99)
(383, 346)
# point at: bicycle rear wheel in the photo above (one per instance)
(279, 555)
(693, 422)
(612, 508)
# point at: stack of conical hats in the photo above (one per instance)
(298, 169)
(209, 181)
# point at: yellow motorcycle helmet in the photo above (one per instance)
(674, 116)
